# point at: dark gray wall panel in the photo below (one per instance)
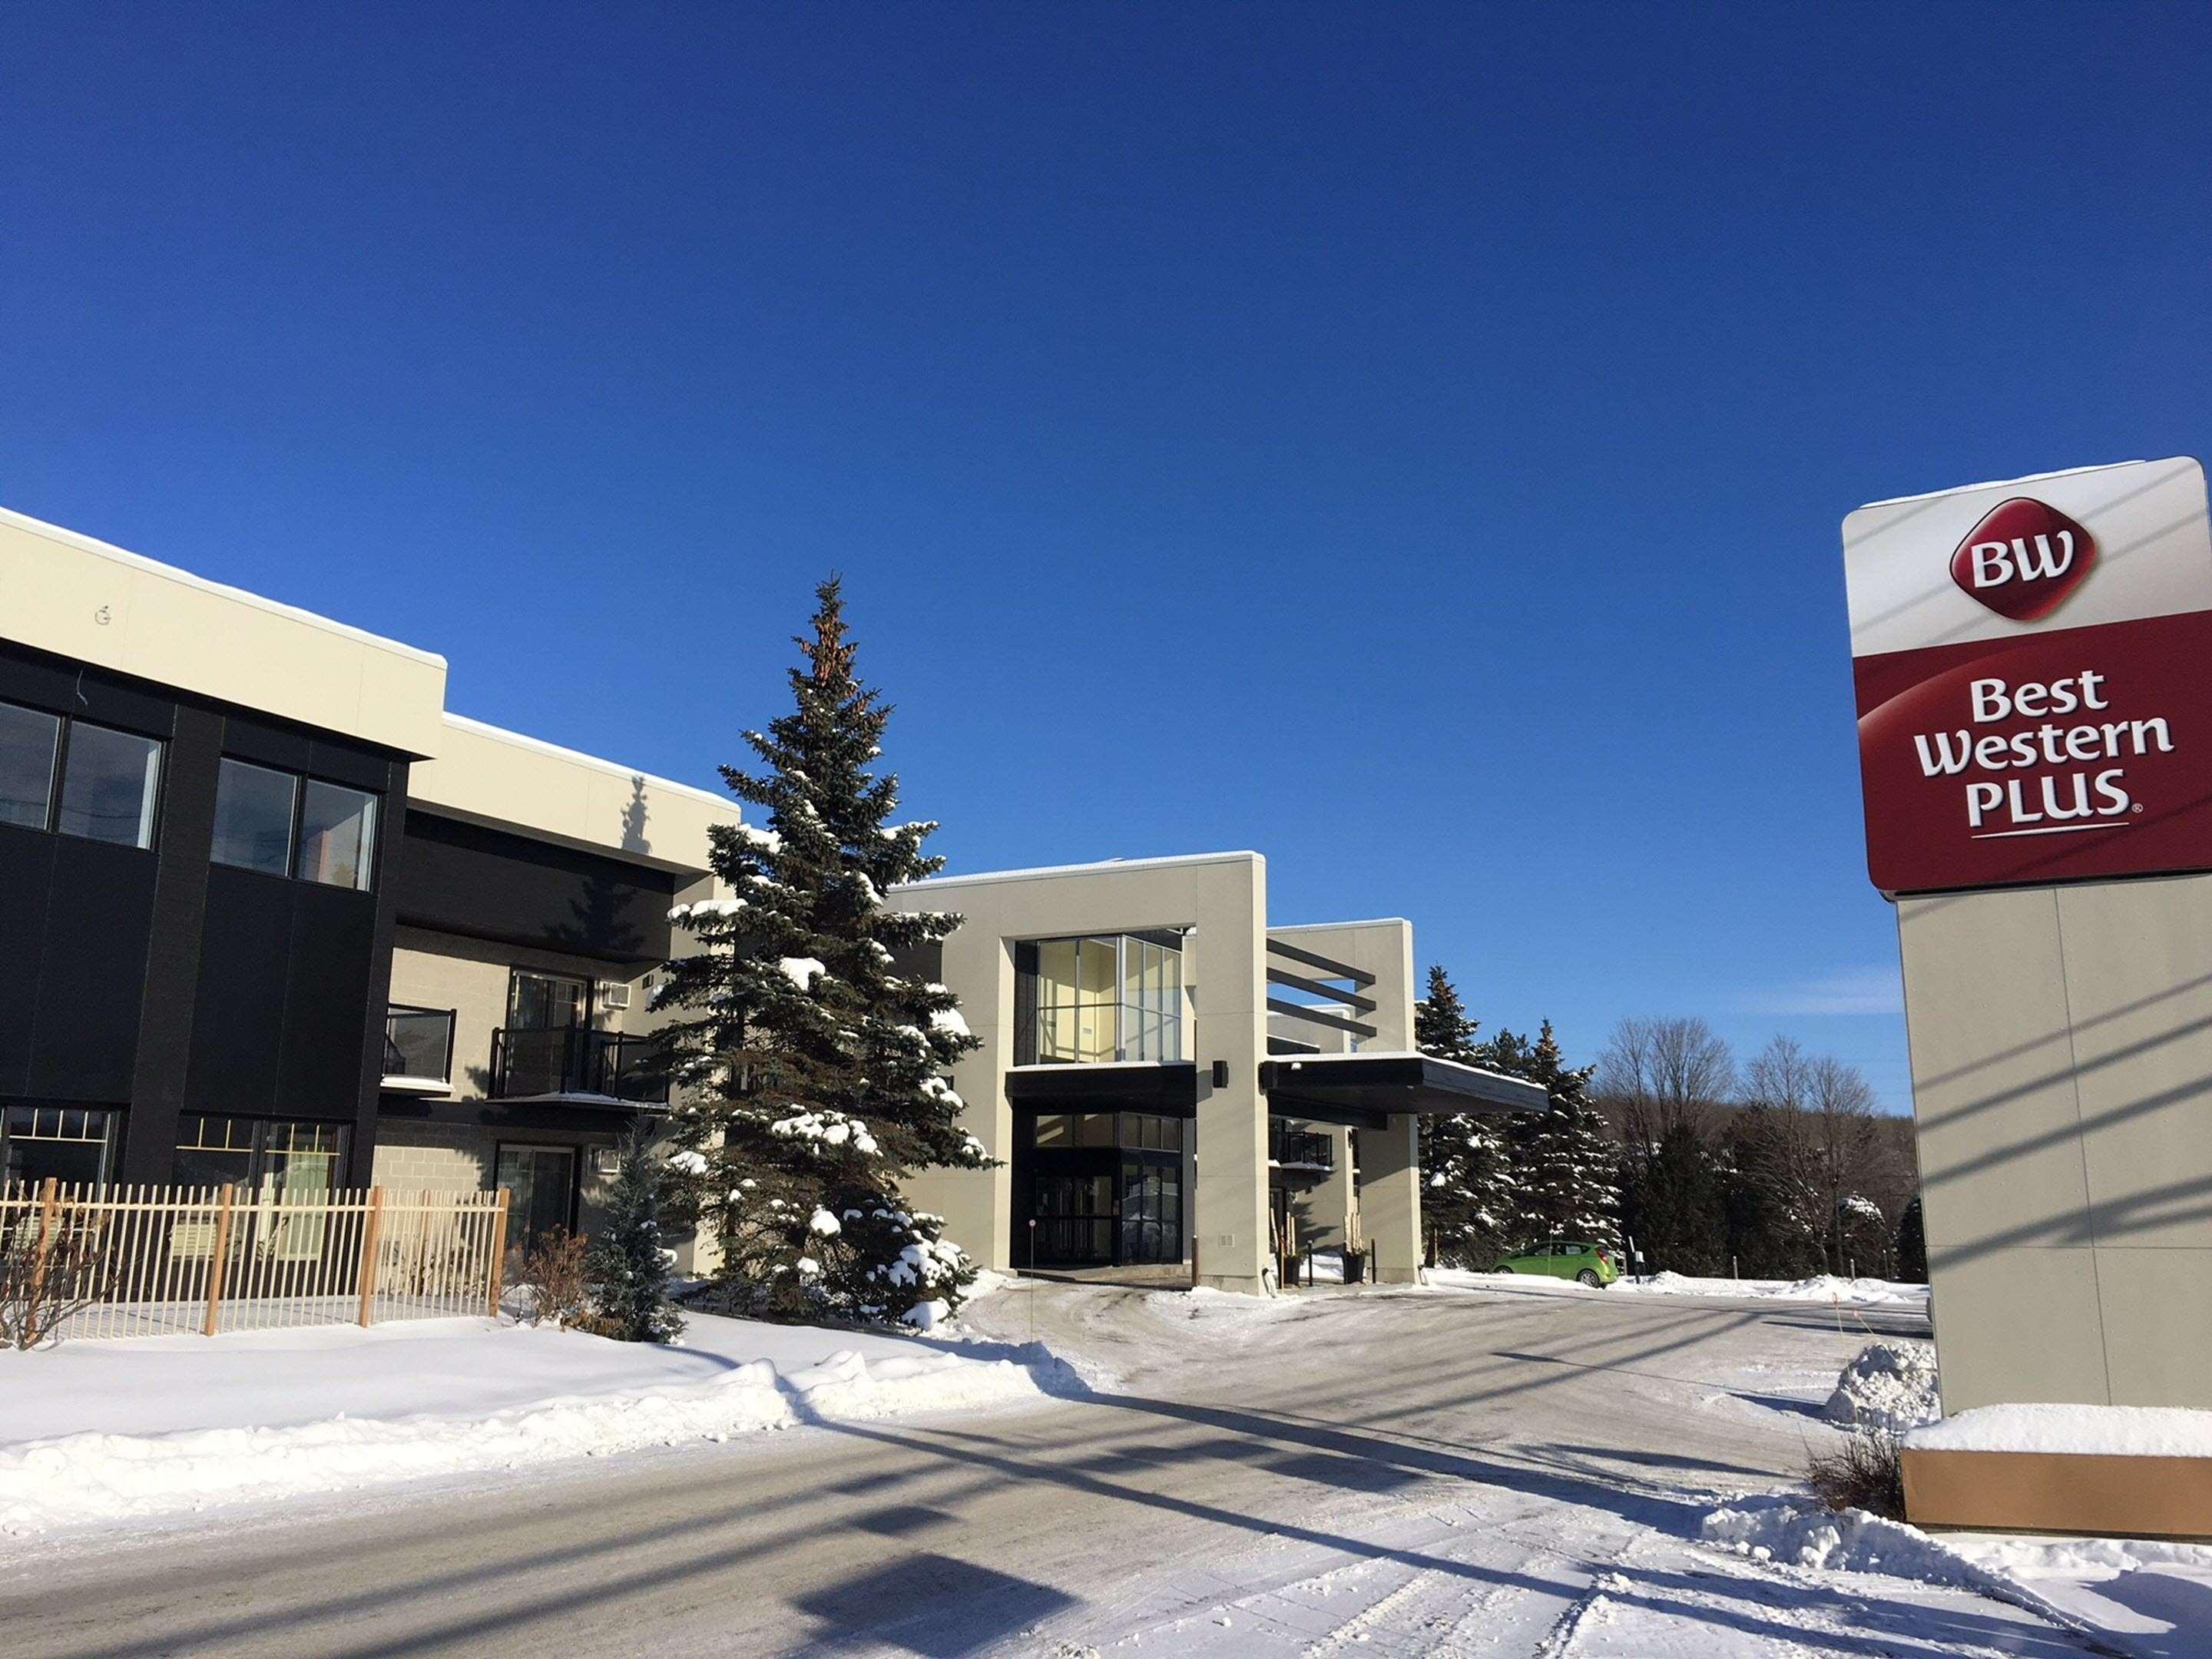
(92, 971)
(485, 884)
(27, 874)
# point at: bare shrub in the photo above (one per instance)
(1867, 1472)
(48, 1271)
(552, 1266)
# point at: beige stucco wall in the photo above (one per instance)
(77, 597)
(1224, 897)
(440, 1158)
(1384, 948)
(470, 976)
(488, 776)
(2061, 1060)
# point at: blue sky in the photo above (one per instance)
(1409, 441)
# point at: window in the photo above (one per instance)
(253, 818)
(57, 1143)
(1134, 1131)
(337, 835)
(1114, 997)
(278, 823)
(1056, 1131)
(110, 780)
(546, 1002)
(273, 1157)
(28, 742)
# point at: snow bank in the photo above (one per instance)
(1796, 1532)
(1888, 1385)
(1800, 1533)
(2092, 1431)
(242, 1419)
(1825, 1287)
(1825, 1290)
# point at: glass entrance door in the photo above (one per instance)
(541, 1190)
(543, 1010)
(1074, 1219)
(1151, 1209)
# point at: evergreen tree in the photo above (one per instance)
(813, 1067)
(1470, 1193)
(1676, 1212)
(1761, 1233)
(627, 1265)
(1912, 1245)
(1563, 1155)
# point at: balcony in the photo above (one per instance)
(1299, 1149)
(576, 1062)
(419, 1049)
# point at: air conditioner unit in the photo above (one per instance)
(614, 995)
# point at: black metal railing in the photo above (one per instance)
(418, 1044)
(576, 1062)
(1300, 1148)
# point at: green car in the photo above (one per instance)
(1564, 1258)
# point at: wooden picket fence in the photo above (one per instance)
(156, 1260)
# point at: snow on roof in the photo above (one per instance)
(1042, 872)
(521, 740)
(2081, 1431)
(123, 555)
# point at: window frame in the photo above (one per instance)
(1142, 1021)
(60, 724)
(58, 777)
(257, 1151)
(295, 847)
(363, 881)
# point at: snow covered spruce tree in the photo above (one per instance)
(1471, 1196)
(628, 1265)
(1566, 1160)
(813, 1069)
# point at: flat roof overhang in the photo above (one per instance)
(1360, 1090)
(1169, 1088)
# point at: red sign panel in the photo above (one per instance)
(2033, 670)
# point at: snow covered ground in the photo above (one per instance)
(102, 1432)
(1826, 1290)
(1485, 1472)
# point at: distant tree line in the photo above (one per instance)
(1777, 1167)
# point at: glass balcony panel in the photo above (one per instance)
(418, 1044)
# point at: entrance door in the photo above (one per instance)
(1074, 1219)
(541, 1191)
(543, 1010)
(1151, 1209)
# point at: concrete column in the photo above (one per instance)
(1391, 1198)
(1230, 1220)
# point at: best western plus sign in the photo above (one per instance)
(2034, 665)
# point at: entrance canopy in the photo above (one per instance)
(1363, 1089)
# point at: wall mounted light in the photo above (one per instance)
(1221, 1074)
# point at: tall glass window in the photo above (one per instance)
(110, 780)
(27, 740)
(253, 818)
(1104, 998)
